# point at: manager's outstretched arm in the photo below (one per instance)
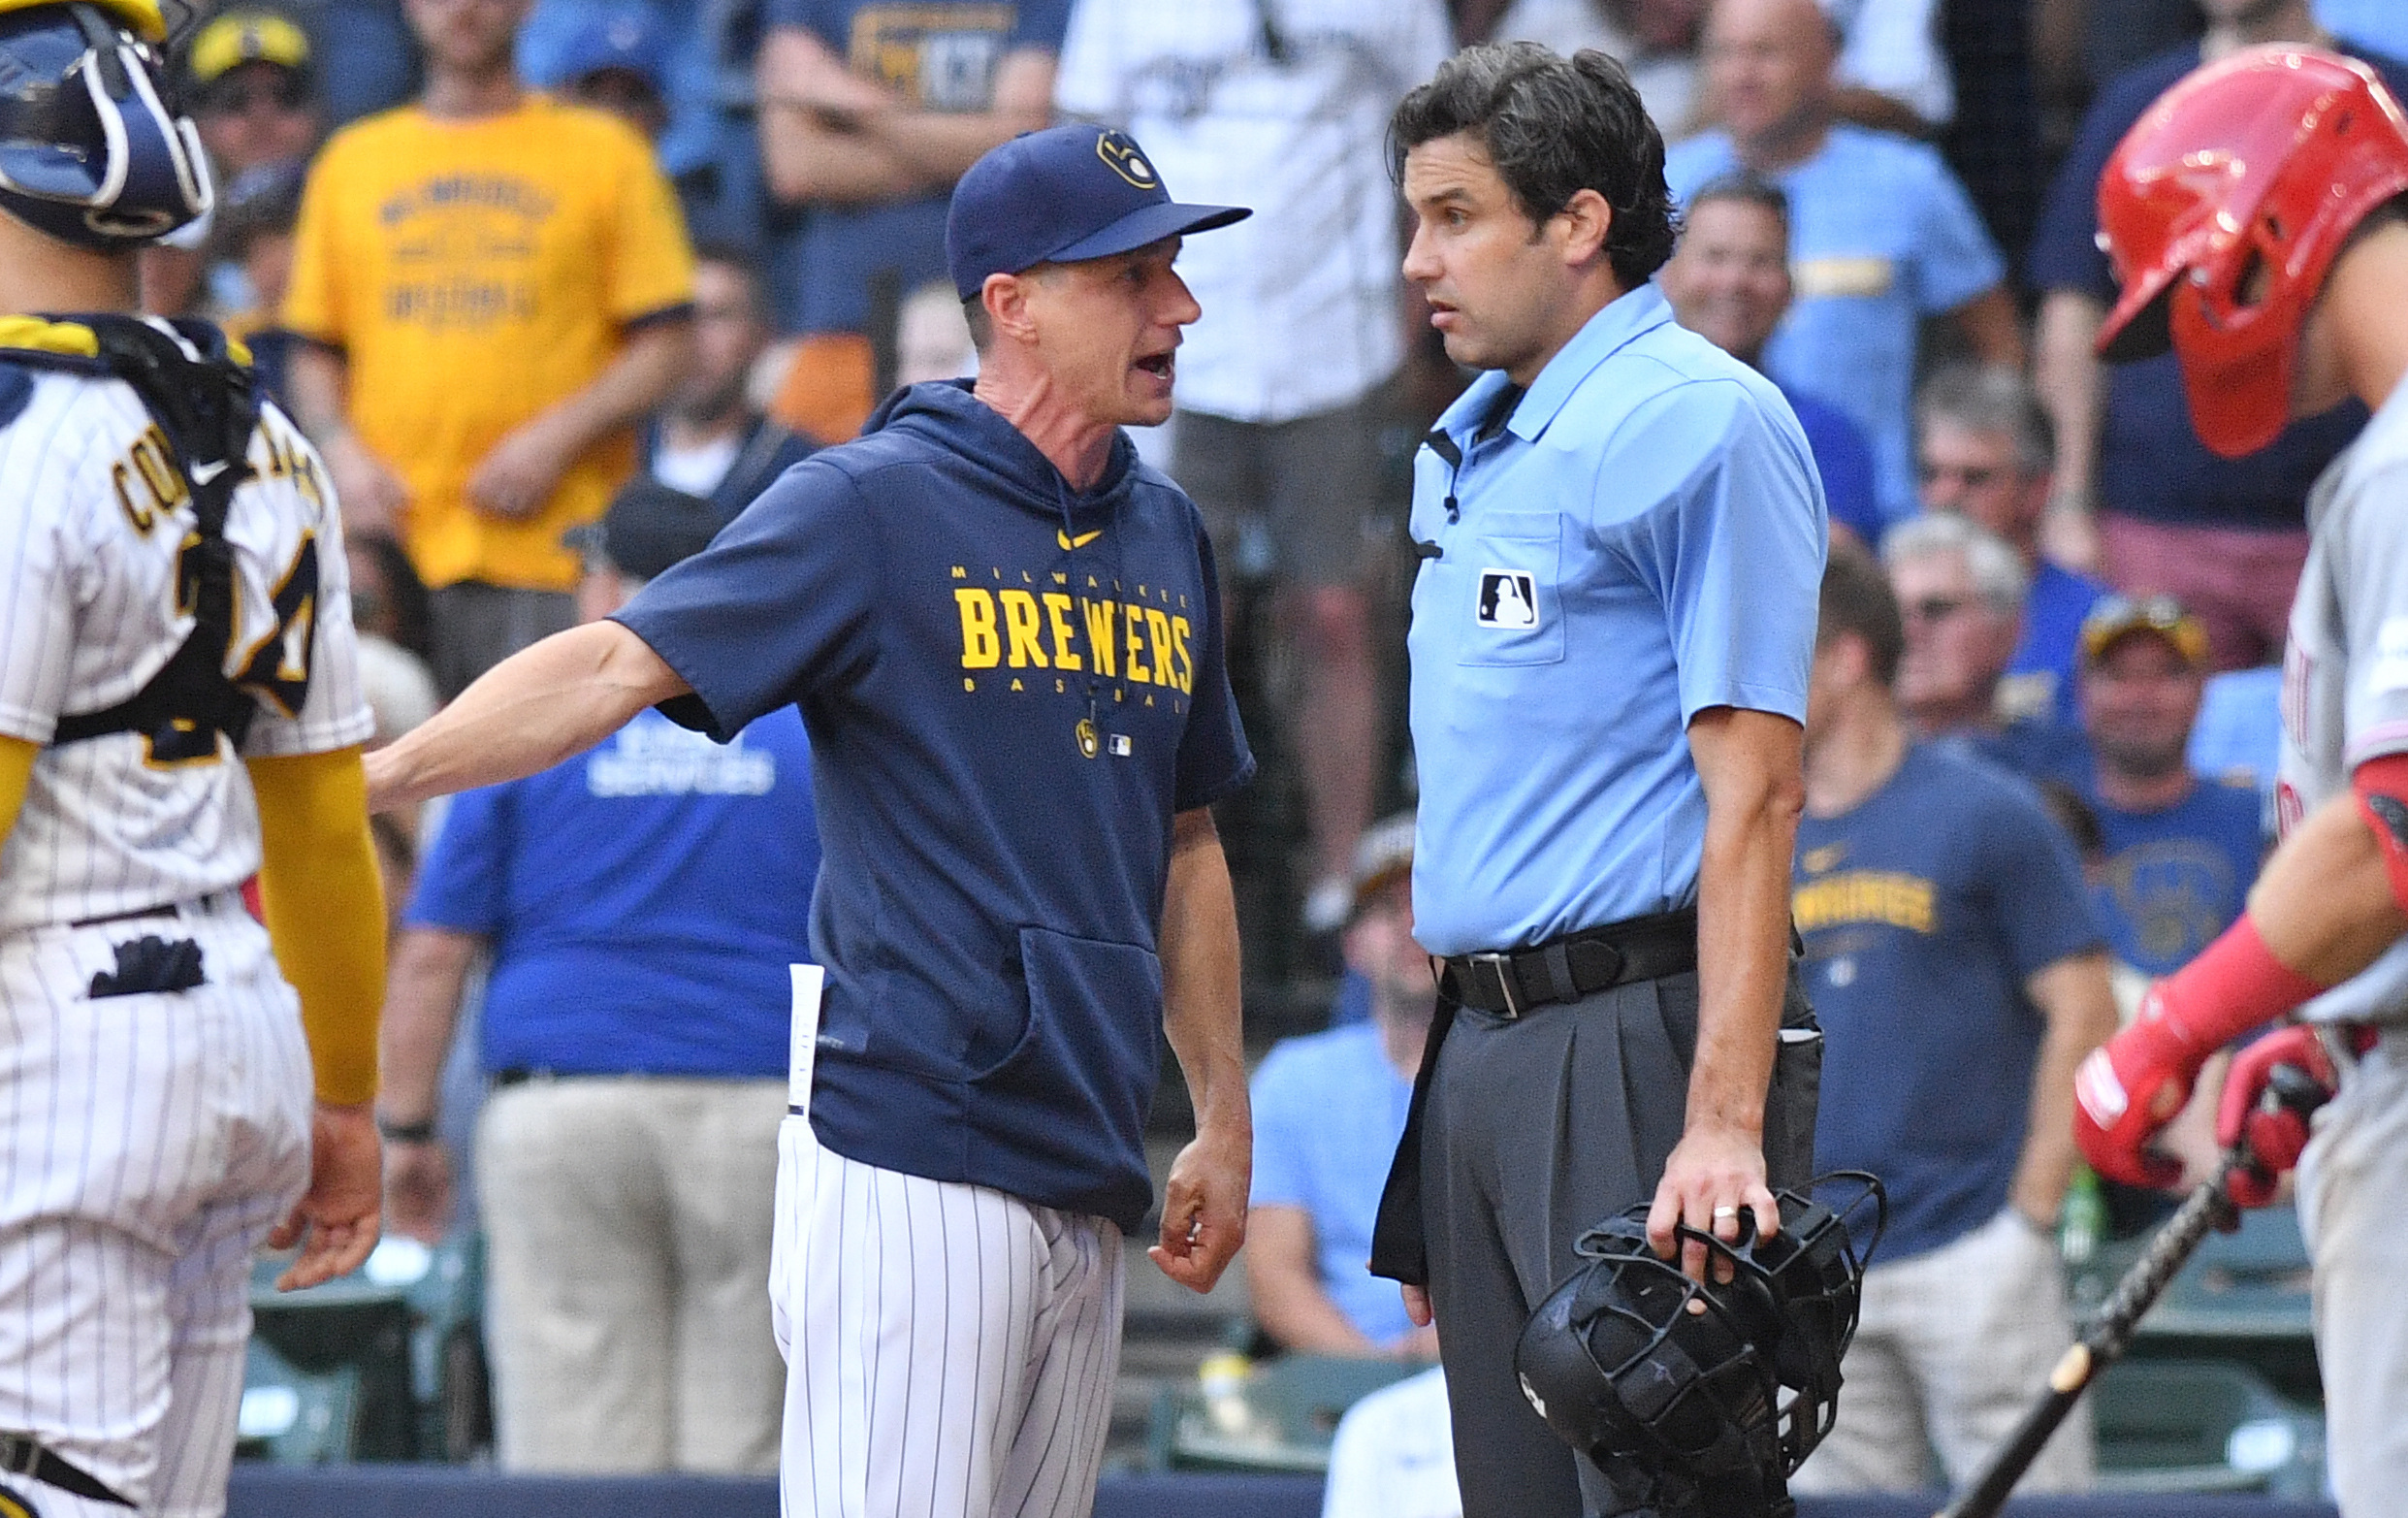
(540, 706)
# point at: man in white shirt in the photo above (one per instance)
(709, 441)
(1394, 1456)
(1280, 386)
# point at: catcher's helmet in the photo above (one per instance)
(1689, 1405)
(90, 152)
(2221, 211)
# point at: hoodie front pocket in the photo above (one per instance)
(1092, 1047)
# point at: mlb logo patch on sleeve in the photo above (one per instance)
(1508, 600)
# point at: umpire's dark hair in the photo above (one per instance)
(1552, 127)
(1857, 599)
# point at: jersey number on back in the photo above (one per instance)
(276, 665)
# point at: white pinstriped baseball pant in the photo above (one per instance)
(950, 1351)
(147, 1144)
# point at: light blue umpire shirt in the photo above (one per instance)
(1642, 537)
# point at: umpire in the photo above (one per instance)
(1621, 537)
(1003, 632)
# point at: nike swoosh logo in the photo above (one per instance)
(1080, 541)
(202, 473)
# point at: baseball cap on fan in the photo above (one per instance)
(649, 528)
(1061, 195)
(238, 37)
(2116, 617)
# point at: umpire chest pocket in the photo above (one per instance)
(1508, 594)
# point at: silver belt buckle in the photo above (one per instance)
(1502, 964)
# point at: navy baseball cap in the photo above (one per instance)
(1061, 195)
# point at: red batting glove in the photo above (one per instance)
(2133, 1084)
(2275, 1132)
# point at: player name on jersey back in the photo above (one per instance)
(97, 595)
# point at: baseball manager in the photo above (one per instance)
(1003, 632)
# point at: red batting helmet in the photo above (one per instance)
(2263, 161)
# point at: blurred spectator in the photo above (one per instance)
(2239, 732)
(1327, 1110)
(1993, 143)
(368, 59)
(615, 58)
(2178, 851)
(1393, 1454)
(1656, 40)
(388, 599)
(1890, 70)
(710, 442)
(1729, 281)
(1281, 386)
(1983, 451)
(635, 1030)
(2379, 23)
(2137, 493)
(493, 287)
(702, 58)
(869, 111)
(2123, 34)
(252, 235)
(932, 338)
(1958, 975)
(254, 102)
(398, 690)
(1881, 235)
(1960, 591)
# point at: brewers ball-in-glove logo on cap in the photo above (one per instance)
(1121, 151)
(1061, 196)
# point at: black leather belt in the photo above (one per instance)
(1519, 981)
(24, 1455)
(166, 909)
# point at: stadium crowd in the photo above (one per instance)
(558, 287)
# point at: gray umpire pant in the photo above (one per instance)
(1536, 1129)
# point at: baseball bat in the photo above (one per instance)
(2109, 1335)
(2101, 1345)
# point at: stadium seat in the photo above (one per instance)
(385, 1364)
(1279, 1418)
(2185, 1426)
(295, 1417)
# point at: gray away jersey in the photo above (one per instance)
(93, 519)
(2345, 663)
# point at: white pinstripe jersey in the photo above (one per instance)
(94, 518)
(2345, 661)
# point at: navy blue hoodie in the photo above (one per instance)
(1010, 689)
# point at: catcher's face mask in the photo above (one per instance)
(1696, 1386)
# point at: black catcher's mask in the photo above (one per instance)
(1709, 1411)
